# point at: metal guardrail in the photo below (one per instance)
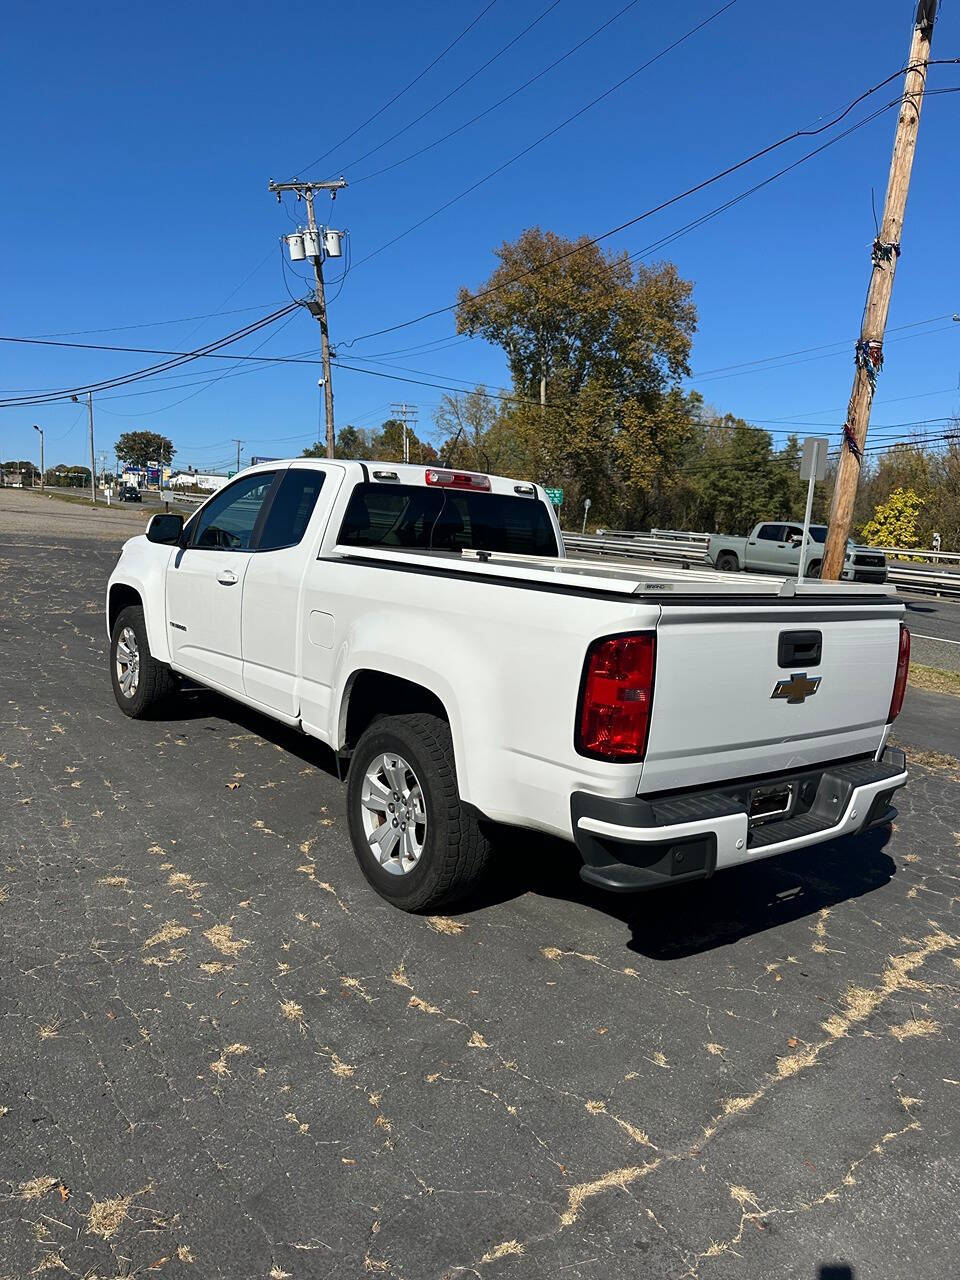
(688, 550)
(926, 554)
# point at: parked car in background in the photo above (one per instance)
(426, 624)
(774, 547)
(129, 493)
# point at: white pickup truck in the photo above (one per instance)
(774, 547)
(427, 626)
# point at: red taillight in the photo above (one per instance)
(903, 667)
(457, 479)
(616, 697)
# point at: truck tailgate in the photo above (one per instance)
(715, 716)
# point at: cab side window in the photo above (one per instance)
(228, 521)
(771, 532)
(291, 509)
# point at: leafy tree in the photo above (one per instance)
(734, 477)
(64, 477)
(895, 522)
(387, 444)
(941, 514)
(23, 467)
(611, 341)
(352, 443)
(138, 448)
(477, 434)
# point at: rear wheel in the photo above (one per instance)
(417, 843)
(139, 680)
(727, 562)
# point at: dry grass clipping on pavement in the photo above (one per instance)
(168, 932)
(221, 937)
(107, 1216)
(37, 1187)
(933, 680)
(937, 761)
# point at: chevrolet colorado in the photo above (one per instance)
(426, 624)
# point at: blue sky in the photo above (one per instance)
(140, 140)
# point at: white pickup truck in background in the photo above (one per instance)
(426, 624)
(774, 547)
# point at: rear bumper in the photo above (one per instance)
(643, 843)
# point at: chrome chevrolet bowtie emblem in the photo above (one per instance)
(797, 688)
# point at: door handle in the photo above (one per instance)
(227, 577)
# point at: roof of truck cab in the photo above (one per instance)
(408, 473)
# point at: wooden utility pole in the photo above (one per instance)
(305, 191)
(886, 251)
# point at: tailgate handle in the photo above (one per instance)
(800, 648)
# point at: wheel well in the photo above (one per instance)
(120, 597)
(726, 555)
(374, 693)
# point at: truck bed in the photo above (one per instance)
(651, 582)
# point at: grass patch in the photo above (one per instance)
(933, 680)
(938, 761)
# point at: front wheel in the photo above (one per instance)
(139, 680)
(417, 843)
(812, 570)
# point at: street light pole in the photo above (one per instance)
(43, 474)
(93, 461)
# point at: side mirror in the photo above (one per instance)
(165, 528)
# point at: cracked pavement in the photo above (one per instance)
(221, 1055)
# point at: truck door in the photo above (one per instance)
(765, 547)
(205, 583)
(272, 626)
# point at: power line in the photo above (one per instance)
(647, 213)
(802, 351)
(152, 324)
(499, 103)
(182, 357)
(662, 53)
(147, 413)
(447, 96)
(407, 87)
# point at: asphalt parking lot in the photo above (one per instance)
(221, 1055)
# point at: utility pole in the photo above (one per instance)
(315, 248)
(408, 416)
(42, 472)
(93, 461)
(238, 443)
(886, 251)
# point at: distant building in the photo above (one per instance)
(210, 481)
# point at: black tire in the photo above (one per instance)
(812, 570)
(155, 680)
(727, 562)
(455, 849)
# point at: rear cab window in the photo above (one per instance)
(417, 518)
(290, 511)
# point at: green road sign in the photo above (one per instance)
(555, 496)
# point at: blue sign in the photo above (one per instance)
(255, 462)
